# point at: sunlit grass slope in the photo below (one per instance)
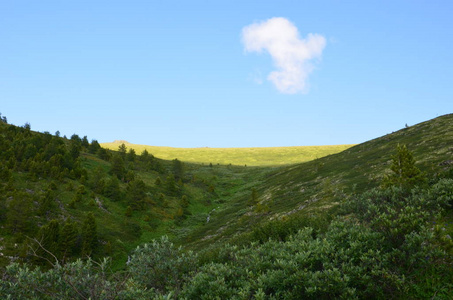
(258, 156)
(315, 187)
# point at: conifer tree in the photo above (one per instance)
(178, 169)
(162, 200)
(118, 167)
(94, 147)
(405, 173)
(170, 185)
(46, 203)
(2, 205)
(3, 119)
(68, 239)
(112, 189)
(184, 201)
(136, 193)
(18, 216)
(130, 176)
(185, 205)
(253, 197)
(131, 156)
(5, 173)
(89, 235)
(145, 156)
(85, 142)
(98, 181)
(49, 237)
(102, 153)
(75, 146)
(122, 149)
(128, 212)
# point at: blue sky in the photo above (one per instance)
(183, 74)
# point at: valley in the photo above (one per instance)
(67, 199)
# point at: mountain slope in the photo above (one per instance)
(316, 187)
(108, 202)
(287, 236)
(78, 179)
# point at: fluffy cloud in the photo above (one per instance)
(291, 55)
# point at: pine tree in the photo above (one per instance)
(253, 197)
(130, 176)
(145, 156)
(405, 173)
(118, 167)
(19, 214)
(184, 201)
(97, 180)
(112, 189)
(170, 185)
(136, 193)
(185, 205)
(85, 142)
(102, 153)
(46, 203)
(178, 169)
(89, 235)
(122, 149)
(94, 147)
(5, 173)
(128, 212)
(49, 237)
(162, 200)
(68, 239)
(131, 156)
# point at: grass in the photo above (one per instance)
(316, 187)
(259, 156)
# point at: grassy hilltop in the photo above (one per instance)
(257, 156)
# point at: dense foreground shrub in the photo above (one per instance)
(384, 246)
(161, 266)
(76, 280)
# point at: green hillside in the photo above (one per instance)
(49, 183)
(258, 156)
(321, 229)
(316, 187)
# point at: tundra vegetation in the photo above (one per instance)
(255, 156)
(79, 221)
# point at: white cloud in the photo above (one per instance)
(291, 55)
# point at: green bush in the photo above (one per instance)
(161, 266)
(76, 280)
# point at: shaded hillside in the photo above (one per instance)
(314, 188)
(257, 156)
(106, 202)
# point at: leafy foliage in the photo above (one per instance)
(161, 266)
